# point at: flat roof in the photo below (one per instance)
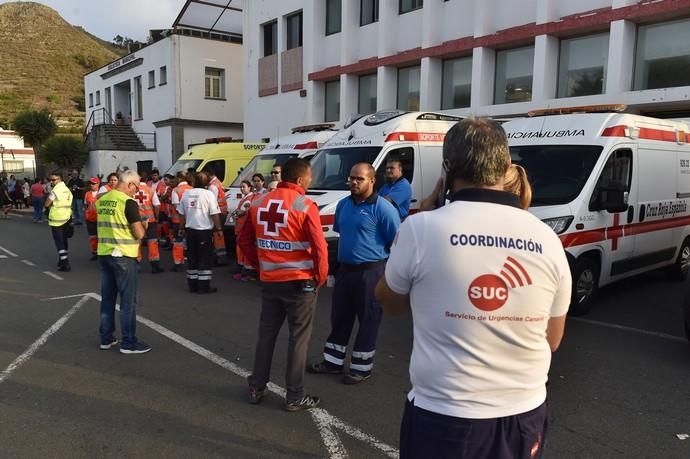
(220, 16)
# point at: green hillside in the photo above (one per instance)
(43, 60)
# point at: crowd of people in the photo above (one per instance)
(482, 347)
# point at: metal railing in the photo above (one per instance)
(148, 139)
(97, 118)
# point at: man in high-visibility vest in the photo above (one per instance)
(120, 229)
(59, 203)
(215, 186)
(283, 237)
(148, 208)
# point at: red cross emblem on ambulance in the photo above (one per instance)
(272, 217)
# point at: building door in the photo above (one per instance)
(108, 106)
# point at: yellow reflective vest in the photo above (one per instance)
(114, 233)
(61, 209)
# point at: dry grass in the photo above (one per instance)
(43, 63)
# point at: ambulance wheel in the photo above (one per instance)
(679, 270)
(585, 286)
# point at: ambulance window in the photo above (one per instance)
(218, 168)
(406, 158)
(617, 175)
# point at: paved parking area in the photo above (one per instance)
(618, 386)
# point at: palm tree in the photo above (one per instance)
(35, 127)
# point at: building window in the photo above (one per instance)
(663, 55)
(13, 166)
(514, 68)
(408, 88)
(270, 38)
(367, 94)
(457, 83)
(139, 98)
(90, 99)
(368, 11)
(332, 101)
(333, 16)
(582, 66)
(410, 5)
(163, 76)
(294, 30)
(152, 79)
(214, 87)
(98, 97)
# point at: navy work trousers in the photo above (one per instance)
(424, 434)
(60, 238)
(353, 297)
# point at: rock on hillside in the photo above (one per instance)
(43, 60)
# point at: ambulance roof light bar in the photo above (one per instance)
(313, 127)
(604, 108)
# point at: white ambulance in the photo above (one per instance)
(302, 143)
(415, 138)
(614, 186)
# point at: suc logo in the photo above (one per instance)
(489, 292)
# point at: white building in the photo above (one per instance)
(322, 60)
(185, 86)
(15, 158)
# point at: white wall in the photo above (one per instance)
(105, 162)
(9, 140)
(194, 135)
(196, 54)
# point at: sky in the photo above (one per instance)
(108, 18)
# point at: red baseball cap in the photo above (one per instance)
(95, 180)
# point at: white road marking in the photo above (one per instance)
(3, 256)
(630, 329)
(22, 359)
(27, 262)
(325, 422)
(12, 254)
(54, 276)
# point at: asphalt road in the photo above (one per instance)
(619, 388)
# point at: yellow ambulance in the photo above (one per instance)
(225, 157)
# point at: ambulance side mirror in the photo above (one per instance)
(613, 197)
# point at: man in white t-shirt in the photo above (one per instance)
(489, 288)
(199, 218)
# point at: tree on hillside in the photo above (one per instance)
(66, 152)
(117, 41)
(35, 127)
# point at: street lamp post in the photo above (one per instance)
(2, 158)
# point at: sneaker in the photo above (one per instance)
(207, 290)
(355, 378)
(110, 344)
(237, 276)
(248, 277)
(156, 269)
(305, 403)
(65, 268)
(139, 348)
(255, 395)
(324, 368)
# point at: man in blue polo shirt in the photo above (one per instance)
(367, 225)
(397, 189)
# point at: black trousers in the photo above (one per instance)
(200, 259)
(281, 300)
(60, 238)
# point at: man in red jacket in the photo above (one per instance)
(283, 237)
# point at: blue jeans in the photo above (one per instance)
(38, 208)
(119, 275)
(78, 211)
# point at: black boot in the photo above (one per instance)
(156, 268)
(205, 287)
